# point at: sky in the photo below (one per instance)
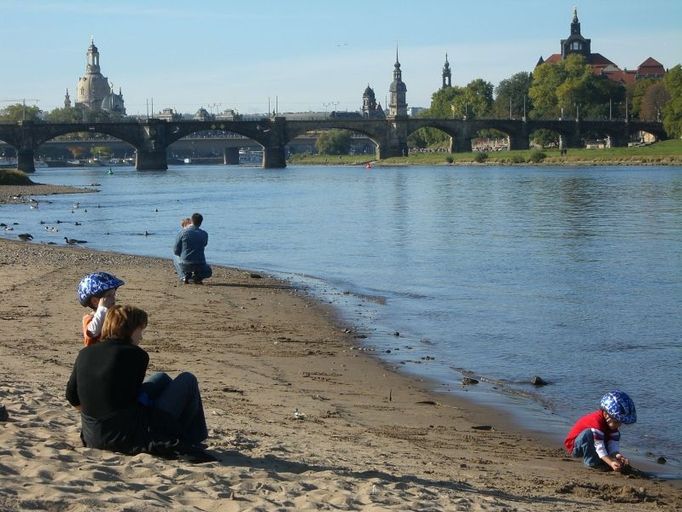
(306, 55)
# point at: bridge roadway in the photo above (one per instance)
(151, 137)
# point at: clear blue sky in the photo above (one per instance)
(311, 54)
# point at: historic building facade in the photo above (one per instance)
(370, 107)
(575, 43)
(93, 91)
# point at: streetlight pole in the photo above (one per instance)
(610, 109)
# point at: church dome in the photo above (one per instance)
(397, 86)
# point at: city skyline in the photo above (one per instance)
(302, 57)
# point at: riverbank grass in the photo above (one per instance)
(661, 153)
(14, 177)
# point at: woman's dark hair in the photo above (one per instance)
(121, 321)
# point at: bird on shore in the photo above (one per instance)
(25, 236)
(73, 241)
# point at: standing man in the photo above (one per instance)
(190, 262)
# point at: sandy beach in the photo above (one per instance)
(300, 417)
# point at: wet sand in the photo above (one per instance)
(299, 418)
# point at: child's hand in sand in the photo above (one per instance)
(615, 464)
(623, 460)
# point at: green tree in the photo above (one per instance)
(514, 88)
(18, 112)
(635, 93)
(65, 115)
(546, 80)
(475, 101)
(334, 142)
(101, 151)
(570, 86)
(672, 112)
(654, 101)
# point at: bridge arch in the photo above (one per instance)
(209, 144)
(374, 131)
(353, 128)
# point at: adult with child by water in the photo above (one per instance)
(106, 385)
(190, 260)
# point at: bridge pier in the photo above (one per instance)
(460, 145)
(388, 151)
(274, 157)
(617, 141)
(25, 161)
(230, 156)
(570, 141)
(151, 160)
(518, 142)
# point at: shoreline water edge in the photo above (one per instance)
(300, 417)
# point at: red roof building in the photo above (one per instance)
(577, 44)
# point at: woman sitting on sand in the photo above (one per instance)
(105, 384)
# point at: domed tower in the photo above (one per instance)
(575, 43)
(370, 107)
(369, 102)
(447, 74)
(397, 106)
(92, 87)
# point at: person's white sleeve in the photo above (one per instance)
(599, 444)
(95, 325)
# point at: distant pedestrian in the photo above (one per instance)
(190, 261)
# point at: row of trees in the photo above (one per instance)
(18, 112)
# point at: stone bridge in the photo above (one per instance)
(151, 137)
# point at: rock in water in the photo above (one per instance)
(538, 381)
(468, 381)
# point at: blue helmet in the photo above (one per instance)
(619, 406)
(94, 285)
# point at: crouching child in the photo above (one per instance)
(595, 436)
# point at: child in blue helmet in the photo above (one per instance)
(595, 436)
(98, 292)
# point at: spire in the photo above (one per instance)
(67, 100)
(447, 73)
(397, 74)
(397, 90)
(575, 23)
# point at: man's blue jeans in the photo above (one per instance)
(196, 271)
(583, 446)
